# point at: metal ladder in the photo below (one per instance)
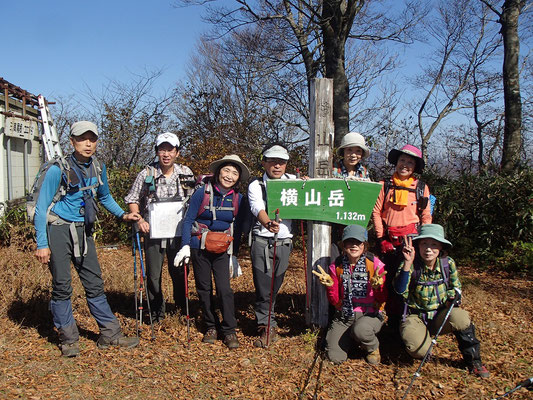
(50, 138)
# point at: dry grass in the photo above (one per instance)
(32, 368)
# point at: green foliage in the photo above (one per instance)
(488, 218)
(14, 228)
(109, 229)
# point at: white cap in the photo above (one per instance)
(80, 127)
(167, 137)
(276, 151)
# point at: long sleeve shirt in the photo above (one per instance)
(69, 206)
(427, 298)
(258, 203)
(386, 213)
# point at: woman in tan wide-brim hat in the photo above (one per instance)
(216, 207)
(352, 151)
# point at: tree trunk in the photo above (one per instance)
(334, 35)
(512, 137)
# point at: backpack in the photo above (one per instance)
(71, 178)
(151, 185)
(415, 279)
(421, 200)
(207, 202)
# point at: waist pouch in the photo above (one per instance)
(396, 233)
(216, 242)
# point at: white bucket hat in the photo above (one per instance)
(353, 139)
(233, 159)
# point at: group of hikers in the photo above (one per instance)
(411, 284)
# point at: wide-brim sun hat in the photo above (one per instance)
(231, 159)
(410, 150)
(353, 139)
(432, 231)
(355, 232)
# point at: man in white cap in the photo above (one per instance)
(64, 234)
(161, 181)
(274, 163)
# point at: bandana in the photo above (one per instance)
(399, 196)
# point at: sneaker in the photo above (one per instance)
(478, 369)
(121, 341)
(373, 358)
(261, 341)
(69, 349)
(231, 341)
(210, 336)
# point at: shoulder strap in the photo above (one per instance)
(421, 201)
(445, 269)
(369, 262)
(207, 199)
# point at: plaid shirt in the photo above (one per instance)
(428, 299)
(165, 187)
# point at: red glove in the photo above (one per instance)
(386, 246)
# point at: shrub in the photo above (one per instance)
(485, 216)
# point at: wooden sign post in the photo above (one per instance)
(320, 164)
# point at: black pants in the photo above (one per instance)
(204, 263)
(155, 256)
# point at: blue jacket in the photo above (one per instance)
(223, 221)
(68, 207)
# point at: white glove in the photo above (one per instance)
(183, 255)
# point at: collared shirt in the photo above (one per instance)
(255, 197)
(165, 187)
(429, 298)
(360, 172)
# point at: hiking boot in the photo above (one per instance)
(478, 369)
(69, 349)
(373, 358)
(261, 341)
(210, 336)
(104, 342)
(231, 341)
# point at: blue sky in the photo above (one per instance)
(57, 47)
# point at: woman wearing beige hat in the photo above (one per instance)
(353, 150)
(211, 234)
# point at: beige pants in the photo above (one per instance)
(417, 336)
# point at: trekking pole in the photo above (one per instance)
(137, 309)
(141, 285)
(434, 341)
(187, 302)
(528, 384)
(272, 282)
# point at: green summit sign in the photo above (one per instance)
(339, 201)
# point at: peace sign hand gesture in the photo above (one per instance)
(408, 250)
(377, 280)
(323, 277)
